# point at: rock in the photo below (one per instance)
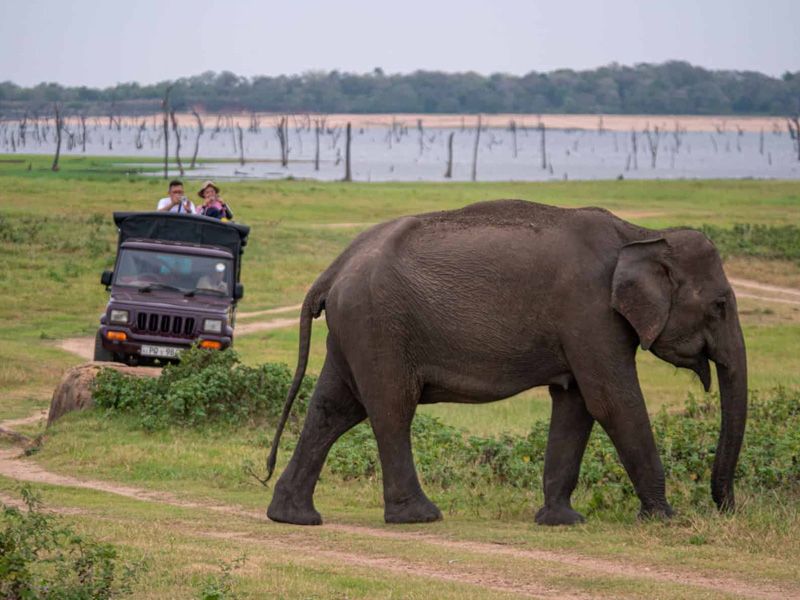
(74, 392)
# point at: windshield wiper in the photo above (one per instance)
(159, 286)
(191, 293)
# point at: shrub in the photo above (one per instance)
(205, 387)
(40, 559)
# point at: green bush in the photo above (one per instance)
(205, 387)
(770, 458)
(763, 241)
(42, 560)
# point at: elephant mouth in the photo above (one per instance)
(703, 371)
(697, 362)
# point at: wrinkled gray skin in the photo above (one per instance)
(482, 303)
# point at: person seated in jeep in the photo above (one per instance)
(139, 268)
(214, 280)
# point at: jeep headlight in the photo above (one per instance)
(118, 316)
(212, 325)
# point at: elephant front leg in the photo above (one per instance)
(616, 402)
(570, 426)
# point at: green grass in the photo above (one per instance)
(56, 236)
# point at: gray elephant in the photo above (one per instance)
(481, 303)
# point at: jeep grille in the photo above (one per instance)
(165, 324)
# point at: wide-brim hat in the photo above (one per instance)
(205, 185)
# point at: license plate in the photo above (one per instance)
(160, 351)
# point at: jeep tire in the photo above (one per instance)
(100, 353)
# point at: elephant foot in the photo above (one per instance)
(284, 509)
(662, 511)
(558, 515)
(417, 510)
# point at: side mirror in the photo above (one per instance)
(238, 291)
(106, 278)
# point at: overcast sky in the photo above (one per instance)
(101, 43)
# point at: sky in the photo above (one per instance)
(101, 43)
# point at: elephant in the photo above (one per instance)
(481, 303)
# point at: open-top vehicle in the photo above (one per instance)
(175, 283)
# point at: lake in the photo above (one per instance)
(406, 149)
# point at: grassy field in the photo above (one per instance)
(57, 236)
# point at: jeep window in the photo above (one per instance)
(150, 270)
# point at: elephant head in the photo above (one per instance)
(674, 293)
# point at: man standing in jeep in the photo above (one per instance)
(176, 201)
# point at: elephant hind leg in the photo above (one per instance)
(391, 411)
(332, 411)
(570, 426)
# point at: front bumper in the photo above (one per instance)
(131, 346)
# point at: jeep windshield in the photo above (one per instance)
(190, 274)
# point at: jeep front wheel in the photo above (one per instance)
(100, 353)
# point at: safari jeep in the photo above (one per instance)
(175, 283)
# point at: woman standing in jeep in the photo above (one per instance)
(213, 206)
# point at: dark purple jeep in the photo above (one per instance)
(175, 282)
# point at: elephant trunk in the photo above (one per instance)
(732, 376)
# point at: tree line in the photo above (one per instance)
(673, 87)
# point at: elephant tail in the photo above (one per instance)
(312, 307)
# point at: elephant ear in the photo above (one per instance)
(641, 290)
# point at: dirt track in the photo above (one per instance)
(315, 544)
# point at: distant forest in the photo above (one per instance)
(672, 87)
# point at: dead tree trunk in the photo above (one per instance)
(177, 142)
(794, 132)
(348, 175)
(714, 142)
(421, 136)
(138, 141)
(652, 142)
(513, 127)
(542, 130)
(635, 151)
(282, 131)
(22, 127)
(165, 110)
(319, 125)
(475, 151)
(200, 131)
(449, 172)
(241, 144)
(677, 135)
(59, 127)
(83, 134)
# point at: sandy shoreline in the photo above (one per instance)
(710, 123)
